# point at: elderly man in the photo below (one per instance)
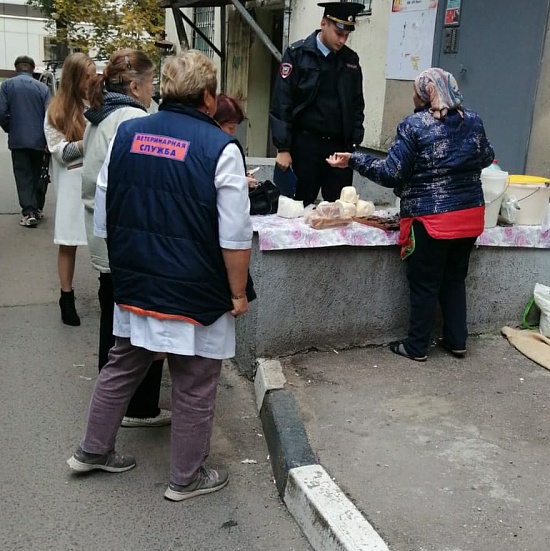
(23, 103)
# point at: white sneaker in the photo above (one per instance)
(162, 419)
(28, 221)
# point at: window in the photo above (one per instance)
(204, 20)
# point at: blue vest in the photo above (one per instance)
(162, 218)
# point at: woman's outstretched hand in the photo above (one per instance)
(339, 160)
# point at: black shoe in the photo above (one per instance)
(68, 310)
(456, 352)
(398, 347)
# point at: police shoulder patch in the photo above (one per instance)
(285, 69)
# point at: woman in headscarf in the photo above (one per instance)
(434, 164)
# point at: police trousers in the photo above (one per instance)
(309, 153)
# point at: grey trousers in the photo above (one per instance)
(27, 165)
(194, 384)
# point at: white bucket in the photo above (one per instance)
(494, 184)
(533, 201)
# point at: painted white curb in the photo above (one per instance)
(269, 376)
(327, 517)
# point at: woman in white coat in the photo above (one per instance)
(64, 129)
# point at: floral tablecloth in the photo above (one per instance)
(276, 233)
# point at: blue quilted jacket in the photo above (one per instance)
(433, 165)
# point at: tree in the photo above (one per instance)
(103, 26)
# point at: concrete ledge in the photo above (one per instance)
(285, 436)
(342, 297)
(327, 517)
(269, 376)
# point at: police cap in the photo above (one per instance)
(24, 59)
(342, 14)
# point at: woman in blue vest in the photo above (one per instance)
(434, 164)
(172, 201)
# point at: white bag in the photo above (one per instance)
(542, 300)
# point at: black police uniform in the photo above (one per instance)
(317, 109)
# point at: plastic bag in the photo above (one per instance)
(321, 222)
(508, 209)
(542, 300)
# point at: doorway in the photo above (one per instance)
(494, 49)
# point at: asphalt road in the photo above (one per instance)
(47, 373)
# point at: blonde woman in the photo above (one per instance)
(179, 237)
(121, 93)
(64, 130)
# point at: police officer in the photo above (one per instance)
(318, 104)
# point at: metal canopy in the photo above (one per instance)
(239, 5)
(218, 3)
(192, 3)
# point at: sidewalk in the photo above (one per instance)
(450, 455)
(48, 371)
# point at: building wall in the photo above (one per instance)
(22, 32)
(538, 155)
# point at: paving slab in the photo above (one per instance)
(449, 455)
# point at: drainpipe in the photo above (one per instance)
(286, 24)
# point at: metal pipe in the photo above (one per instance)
(223, 44)
(257, 29)
(180, 28)
(286, 24)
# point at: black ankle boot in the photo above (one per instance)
(68, 310)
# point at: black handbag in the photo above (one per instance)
(44, 179)
(264, 198)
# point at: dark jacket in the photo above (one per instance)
(435, 165)
(299, 88)
(23, 104)
(162, 218)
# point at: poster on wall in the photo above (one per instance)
(452, 13)
(410, 5)
(410, 40)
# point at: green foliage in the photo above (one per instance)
(104, 26)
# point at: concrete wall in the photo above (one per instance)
(349, 296)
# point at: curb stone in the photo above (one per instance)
(328, 519)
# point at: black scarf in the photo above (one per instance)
(111, 102)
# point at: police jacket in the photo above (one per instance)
(23, 104)
(435, 165)
(296, 88)
(162, 218)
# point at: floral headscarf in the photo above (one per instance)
(439, 89)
